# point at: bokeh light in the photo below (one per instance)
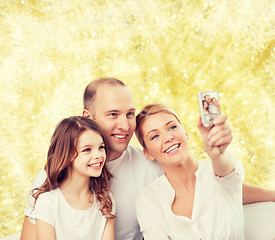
(165, 51)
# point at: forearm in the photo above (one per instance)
(253, 194)
(224, 164)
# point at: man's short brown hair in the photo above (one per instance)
(91, 90)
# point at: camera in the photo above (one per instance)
(209, 106)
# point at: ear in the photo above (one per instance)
(187, 136)
(147, 155)
(87, 114)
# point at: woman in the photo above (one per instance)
(74, 202)
(216, 106)
(192, 200)
(205, 107)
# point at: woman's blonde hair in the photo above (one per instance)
(146, 112)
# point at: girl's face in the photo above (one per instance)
(205, 105)
(165, 139)
(91, 154)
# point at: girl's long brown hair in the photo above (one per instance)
(63, 149)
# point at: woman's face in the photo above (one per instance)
(215, 101)
(165, 139)
(205, 105)
(91, 155)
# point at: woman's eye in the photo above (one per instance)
(154, 137)
(173, 127)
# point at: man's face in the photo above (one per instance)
(207, 98)
(114, 111)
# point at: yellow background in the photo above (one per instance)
(164, 50)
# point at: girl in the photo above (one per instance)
(192, 200)
(74, 202)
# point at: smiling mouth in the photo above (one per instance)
(95, 165)
(120, 136)
(172, 148)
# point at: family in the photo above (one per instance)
(96, 186)
(210, 104)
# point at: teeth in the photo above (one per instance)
(170, 149)
(95, 164)
(120, 136)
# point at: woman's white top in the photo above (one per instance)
(217, 209)
(69, 223)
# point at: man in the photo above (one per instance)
(109, 102)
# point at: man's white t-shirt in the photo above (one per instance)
(69, 223)
(130, 172)
(217, 211)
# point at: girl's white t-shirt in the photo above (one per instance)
(69, 223)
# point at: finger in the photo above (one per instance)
(216, 129)
(199, 124)
(220, 119)
(225, 140)
(217, 139)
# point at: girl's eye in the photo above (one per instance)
(154, 137)
(87, 150)
(101, 147)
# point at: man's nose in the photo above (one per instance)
(123, 123)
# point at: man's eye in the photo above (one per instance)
(87, 150)
(112, 114)
(130, 114)
(154, 137)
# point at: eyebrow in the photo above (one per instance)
(115, 110)
(156, 129)
(90, 145)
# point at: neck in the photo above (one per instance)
(113, 156)
(76, 185)
(182, 174)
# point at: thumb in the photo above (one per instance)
(200, 125)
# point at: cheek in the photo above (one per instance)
(132, 123)
(154, 148)
(106, 125)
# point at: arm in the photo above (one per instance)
(215, 141)
(109, 231)
(221, 136)
(28, 230)
(44, 230)
(253, 194)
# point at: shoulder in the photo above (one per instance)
(39, 179)
(135, 151)
(153, 189)
(48, 197)
(150, 169)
